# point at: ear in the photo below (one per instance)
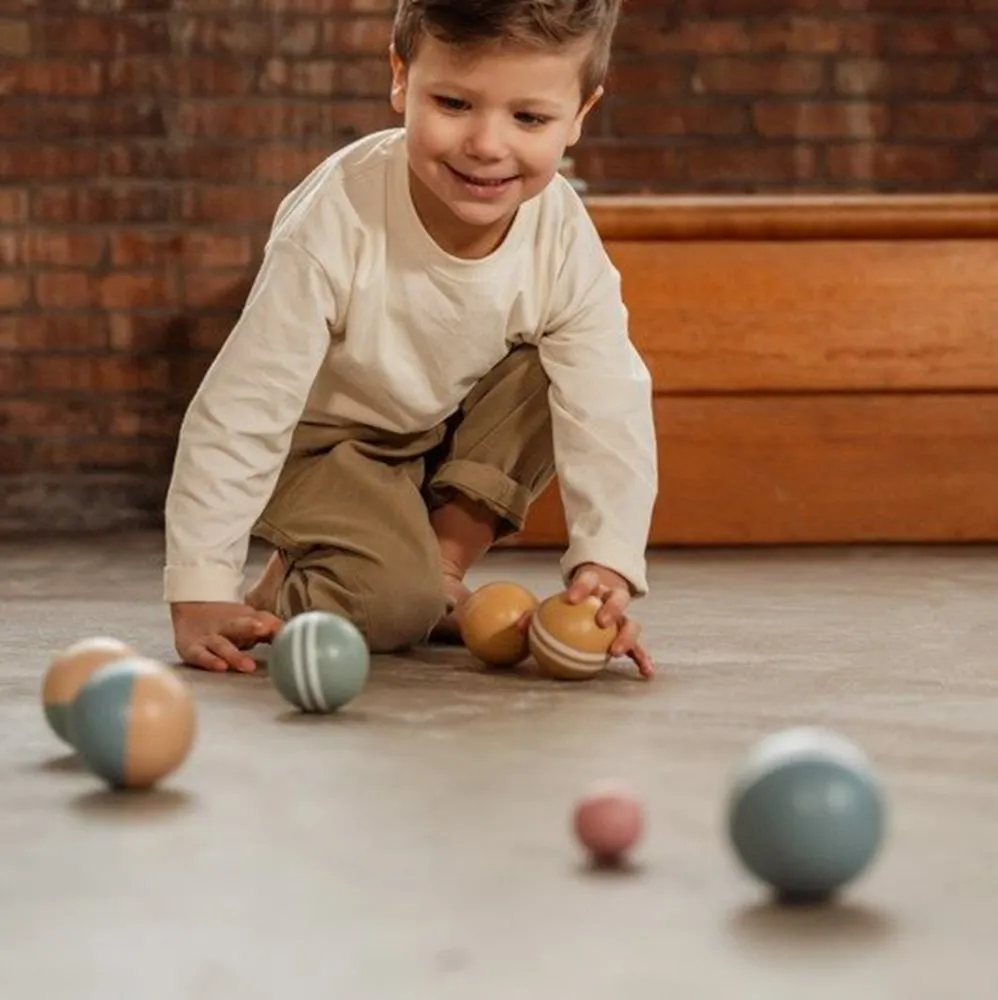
(400, 75)
(576, 132)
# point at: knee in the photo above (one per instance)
(399, 614)
(391, 610)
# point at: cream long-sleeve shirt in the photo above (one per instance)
(358, 316)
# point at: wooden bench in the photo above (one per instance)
(825, 368)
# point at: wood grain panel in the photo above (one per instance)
(813, 316)
(815, 469)
(797, 217)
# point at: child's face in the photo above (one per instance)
(485, 132)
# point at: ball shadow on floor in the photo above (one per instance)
(67, 763)
(110, 805)
(776, 922)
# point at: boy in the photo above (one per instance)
(434, 333)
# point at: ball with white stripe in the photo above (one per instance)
(319, 661)
(566, 640)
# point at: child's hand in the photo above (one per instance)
(211, 634)
(612, 589)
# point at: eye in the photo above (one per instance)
(450, 103)
(532, 120)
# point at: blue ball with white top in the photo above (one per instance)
(806, 812)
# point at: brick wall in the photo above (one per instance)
(145, 143)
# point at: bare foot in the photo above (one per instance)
(448, 629)
(262, 595)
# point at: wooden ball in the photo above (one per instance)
(566, 641)
(133, 722)
(488, 623)
(69, 670)
(608, 821)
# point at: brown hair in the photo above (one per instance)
(530, 23)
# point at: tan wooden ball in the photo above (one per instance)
(68, 672)
(488, 623)
(566, 640)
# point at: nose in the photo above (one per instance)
(485, 140)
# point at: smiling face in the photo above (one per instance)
(485, 131)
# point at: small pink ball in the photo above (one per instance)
(608, 821)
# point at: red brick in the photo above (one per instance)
(49, 78)
(13, 205)
(11, 248)
(649, 119)
(857, 77)
(286, 165)
(214, 289)
(859, 119)
(943, 36)
(15, 37)
(895, 163)
(111, 372)
(984, 79)
(137, 290)
(52, 417)
(62, 248)
(13, 457)
(627, 163)
(364, 77)
(66, 290)
(328, 120)
(13, 373)
(46, 161)
(208, 331)
(107, 35)
(357, 35)
(323, 6)
(15, 291)
(45, 332)
(229, 34)
(748, 165)
(228, 203)
(99, 454)
(649, 77)
(815, 35)
(727, 8)
(661, 33)
(940, 121)
(728, 75)
(903, 6)
(133, 248)
(213, 250)
(100, 204)
(148, 416)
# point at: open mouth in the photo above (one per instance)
(482, 185)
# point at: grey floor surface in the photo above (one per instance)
(417, 845)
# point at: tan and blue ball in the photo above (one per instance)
(133, 722)
(566, 641)
(69, 670)
(319, 662)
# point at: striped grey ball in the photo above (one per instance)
(319, 661)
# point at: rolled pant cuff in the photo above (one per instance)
(506, 498)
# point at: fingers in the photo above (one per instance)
(627, 644)
(223, 649)
(586, 583)
(614, 605)
(198, 655)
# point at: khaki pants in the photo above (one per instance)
(350, 512)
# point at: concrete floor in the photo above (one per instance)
(417, 845)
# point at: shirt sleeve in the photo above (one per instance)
(602, 420)
(237, 429)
